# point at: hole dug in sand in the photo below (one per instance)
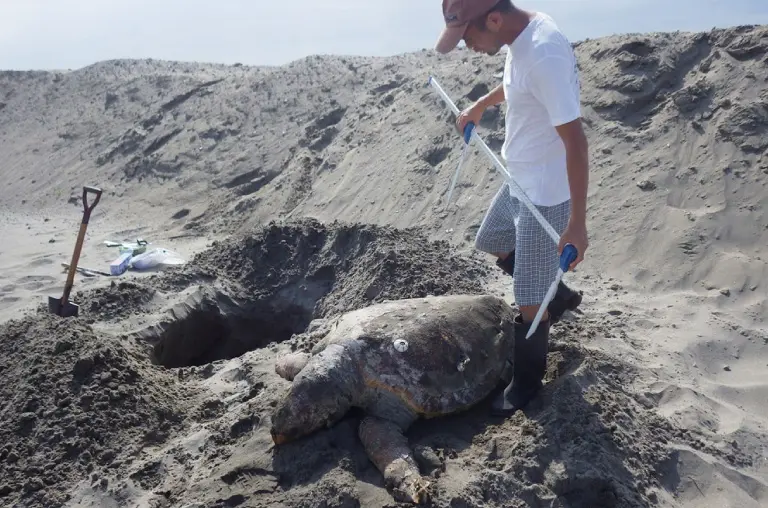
(209, 326)
(270, 284)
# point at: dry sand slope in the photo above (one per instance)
(657, 391)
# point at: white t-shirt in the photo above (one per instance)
(541, 88)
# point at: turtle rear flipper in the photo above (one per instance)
(388, 449)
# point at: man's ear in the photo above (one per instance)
(493, 22)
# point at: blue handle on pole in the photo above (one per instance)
(468, 131)
(568, 256)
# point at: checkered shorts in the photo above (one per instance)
(509, 225)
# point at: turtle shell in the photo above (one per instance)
(435, 355)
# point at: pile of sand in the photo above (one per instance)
(77, 405)
(329, 267)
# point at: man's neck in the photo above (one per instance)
(514, 24)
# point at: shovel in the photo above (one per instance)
(62, 306)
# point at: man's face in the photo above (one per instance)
(485, 39)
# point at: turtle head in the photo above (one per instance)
(321, 394)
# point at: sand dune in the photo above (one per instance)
(657, 389)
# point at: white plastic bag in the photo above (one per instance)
(156, 257)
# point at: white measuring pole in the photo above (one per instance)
(520, 194)
(462, 160)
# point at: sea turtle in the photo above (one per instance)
(398, 361)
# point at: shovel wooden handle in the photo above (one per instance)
(87, 209)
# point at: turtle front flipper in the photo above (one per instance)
(320, 394)
(388, 449)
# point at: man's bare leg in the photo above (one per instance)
(529, 313)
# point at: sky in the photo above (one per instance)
(70, 34)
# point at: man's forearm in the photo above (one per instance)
(577, 166)
(495, 96)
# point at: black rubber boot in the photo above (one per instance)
(529, 366)
(565, 298)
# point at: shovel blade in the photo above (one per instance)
(62, 308)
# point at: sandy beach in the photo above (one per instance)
(297, 193)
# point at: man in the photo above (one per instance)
(546, 152)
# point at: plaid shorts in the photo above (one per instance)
(508, 225)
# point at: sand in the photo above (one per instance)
(299, 192)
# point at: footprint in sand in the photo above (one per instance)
(35, 282)
(7, 294)
(43, 260)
